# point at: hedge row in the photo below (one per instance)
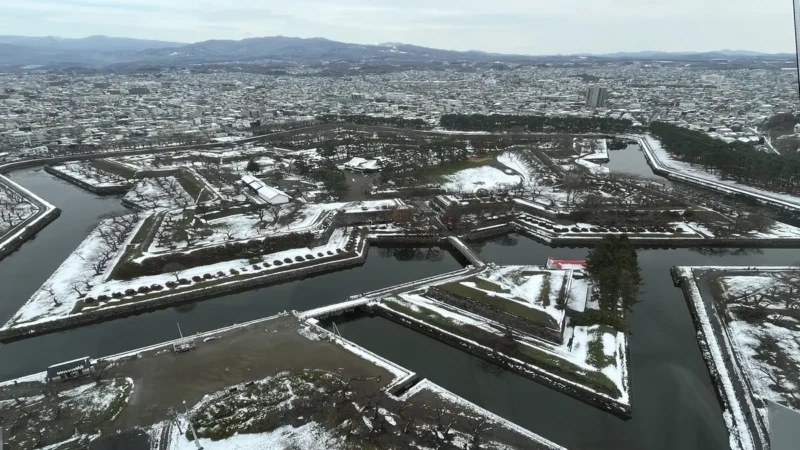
(212, 255)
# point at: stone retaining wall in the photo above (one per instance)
(99, 190)
(31, 229)
(296, 270)
(499, 230)
(582, 394)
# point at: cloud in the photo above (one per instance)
(509, 26)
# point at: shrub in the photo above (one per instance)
(234, 272)
(266, 265)
(184, 281)
(330, 252)
(220, 274)
(144, 290)
(156, 287)
(89, 300)
(299, 258)
(197, 278)
(207, 276)
(277, 263)
(171, 284)
(102, 298)
(256, 267)
(130, 292)
(309, 256)
(287, 260)
(117, 295)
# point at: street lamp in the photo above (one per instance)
(191, 427)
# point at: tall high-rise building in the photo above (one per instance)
(596, 96)
(797, 41)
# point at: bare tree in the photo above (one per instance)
(478, 427)
(81, 286)
(275, 212)
(52, 294)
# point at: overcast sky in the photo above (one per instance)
(505, 26)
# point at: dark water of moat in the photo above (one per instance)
(630, 161)
(23, 273)
(674, 406)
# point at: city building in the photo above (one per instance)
(596, 97)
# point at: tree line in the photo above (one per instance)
(613, 267)
(533, 124)
(736, 161)
(362, 119)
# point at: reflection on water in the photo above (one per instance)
(412, 253)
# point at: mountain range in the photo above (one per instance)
(98, 51)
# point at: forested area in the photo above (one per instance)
(613, 266)
(737, 161)
(361, 119)
(534, 124)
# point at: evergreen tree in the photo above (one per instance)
(613, 266)
(252, 166)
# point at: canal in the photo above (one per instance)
(674, 402)
(674, 405)
(23, 273)
(630, 161)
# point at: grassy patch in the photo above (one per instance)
(112, 167)
(438, 172)
(597, 356)
(135, 250)
(508, 306)
(544, 360)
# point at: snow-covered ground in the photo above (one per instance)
(14, 208)
(91, 175)
(717, 352)
(512, 160)
(242, 266)
(593, 168)
(486, 177)
(769, 348)
(310, 436)
(670, 162)
(574, 351)
(159, 194)
(525, 284)
(78, 273)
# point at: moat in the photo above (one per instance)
(674, 404)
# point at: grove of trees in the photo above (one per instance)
(613, 266)
(534, 124)
(361, 119)
(737, 161)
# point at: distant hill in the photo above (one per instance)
(100, 51)
(722, 54)
(91, 43)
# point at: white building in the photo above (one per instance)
(363, 165)
(267, 194)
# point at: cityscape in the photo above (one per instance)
(285, 243)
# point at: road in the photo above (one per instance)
(743, 394)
